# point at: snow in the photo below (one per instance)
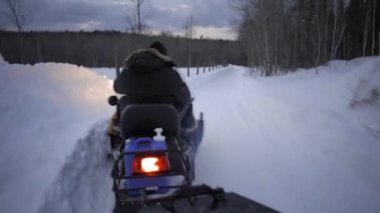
(294, 142)
(44, 110)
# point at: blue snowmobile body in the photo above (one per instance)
(155, 165)
(169, 148)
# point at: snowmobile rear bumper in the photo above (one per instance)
(196, 199)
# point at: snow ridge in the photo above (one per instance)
(84, 181)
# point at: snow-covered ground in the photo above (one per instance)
(292, 142)
(44, 110)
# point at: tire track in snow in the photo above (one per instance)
(84, 184)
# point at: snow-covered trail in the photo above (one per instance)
(261, 143)
(290, 142)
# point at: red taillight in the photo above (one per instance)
(146, 164)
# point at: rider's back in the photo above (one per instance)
(148, 77)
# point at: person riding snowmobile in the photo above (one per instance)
(148, 77)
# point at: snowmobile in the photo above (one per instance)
(154, 164)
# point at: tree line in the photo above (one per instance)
(280, 35)
(110, 48)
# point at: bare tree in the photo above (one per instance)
(264, 34)
(189, 34)
(189, 27)
(339, 28)
(373, 28)
(367, 21)
(305, 33)
(15, 12)
(135, 19)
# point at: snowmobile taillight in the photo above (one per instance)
(147, 164)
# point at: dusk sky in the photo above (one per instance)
(212, 17)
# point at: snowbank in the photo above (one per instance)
(366, 96)
(368, 88)
(2, 62)
(44, 110)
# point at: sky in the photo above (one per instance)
(212, 17)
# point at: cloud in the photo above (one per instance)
(215, 32)
(206, 13)
(184, 6)
(170, 15)
(210, 32)
(74, 15)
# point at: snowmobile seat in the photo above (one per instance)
(142, 119)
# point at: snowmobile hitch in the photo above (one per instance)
(189, 193)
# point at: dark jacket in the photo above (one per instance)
(149, 77)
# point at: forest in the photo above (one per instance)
(273, 36)
(281, 35)
(110, 48)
